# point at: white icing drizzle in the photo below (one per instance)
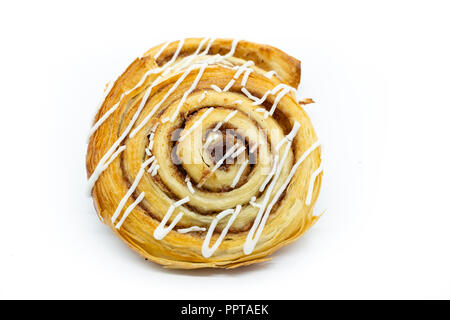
(129, 209)
(270, 74)
(191, 229)
(102, 119)
(177, 52)
(227, 118)
(111, 110)
(261, 110)
(152, 167)
(274, 90)
(233, 48)
(253, 202)
(115, 154)
(238, 152)
(196, 123)
(288, 179)
(280, 95)
(161, 231)
(200, 46)
(311, 184)
(208, 47)
(239, 173)
(219, 163)
(200, 72)
(237, 102)
(229, 85)
(211, 138)
(257, 227)
(238, 73)
(206, 250)
(227, 154)
(245, 77)
(131, 190)
(194, 84)
(216, 88)
(202, 97)
(242, 68)
(151, 139)
(288, 137)
(250, 242)
(164, 46)
(156, 107)
(190, 58)
(230, 115)
(155, 170)
(101, 164)
(189, 185)
(248, 94)
(217, 127)
(270, 175)
(188, 92)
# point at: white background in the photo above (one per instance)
(379, 72)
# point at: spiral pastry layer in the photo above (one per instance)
(201, 156)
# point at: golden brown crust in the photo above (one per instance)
(290, 217)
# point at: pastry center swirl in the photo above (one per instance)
(223, 142)
(213, 154)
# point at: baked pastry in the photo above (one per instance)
(200, 154)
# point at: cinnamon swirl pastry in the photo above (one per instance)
(200, 154)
